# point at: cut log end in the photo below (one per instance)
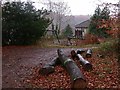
(81, 51)
(88, 67)
(88, 55)
(46, 70)
(79, 83)
(73, 54)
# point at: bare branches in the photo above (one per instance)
(113, 7)
(59, 9)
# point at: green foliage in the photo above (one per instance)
(107, 47)
(22, 23)
(68, 31)
(105, 13)
(96, 22)
(117, 47)
(118, 40)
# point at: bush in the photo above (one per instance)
(108, 47)
(91, 39)
(117, 48)
(22, 23)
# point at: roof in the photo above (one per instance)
(83, 24)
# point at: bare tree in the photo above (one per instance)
(59, 10)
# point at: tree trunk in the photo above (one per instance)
(77, 78)
(49, 68)
(89, 53)
(87, 66)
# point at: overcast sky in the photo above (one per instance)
(83, 7)
(78, 7)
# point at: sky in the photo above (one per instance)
(85, 7)
(78, 7)
(82, 7)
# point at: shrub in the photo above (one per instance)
(91, 39)
(108, 47)
(22, 23)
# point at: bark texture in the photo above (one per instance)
(49, 68)
(77, 78)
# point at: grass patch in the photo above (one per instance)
(107, 47)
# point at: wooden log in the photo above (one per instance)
(77, 78)
(87, 65)
(74, 54)
(81, 51)
(49, 68)
(45, 70)
(89, 53)
(54, 62)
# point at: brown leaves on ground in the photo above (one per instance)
(21, 66)
(58, 79)
(104, 74)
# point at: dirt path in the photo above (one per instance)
(18, 62)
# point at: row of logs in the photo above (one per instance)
(77, 78)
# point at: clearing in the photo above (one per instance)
(20, 65)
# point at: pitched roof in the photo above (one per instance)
(83, 24)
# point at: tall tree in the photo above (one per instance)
(22, 23)
(105, 14)
(98, 20)
(58, 10)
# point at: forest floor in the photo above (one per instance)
(20, 66)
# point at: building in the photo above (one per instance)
(81, 29)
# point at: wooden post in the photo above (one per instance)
(89, 53)
(77, 78)
(49, 68)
